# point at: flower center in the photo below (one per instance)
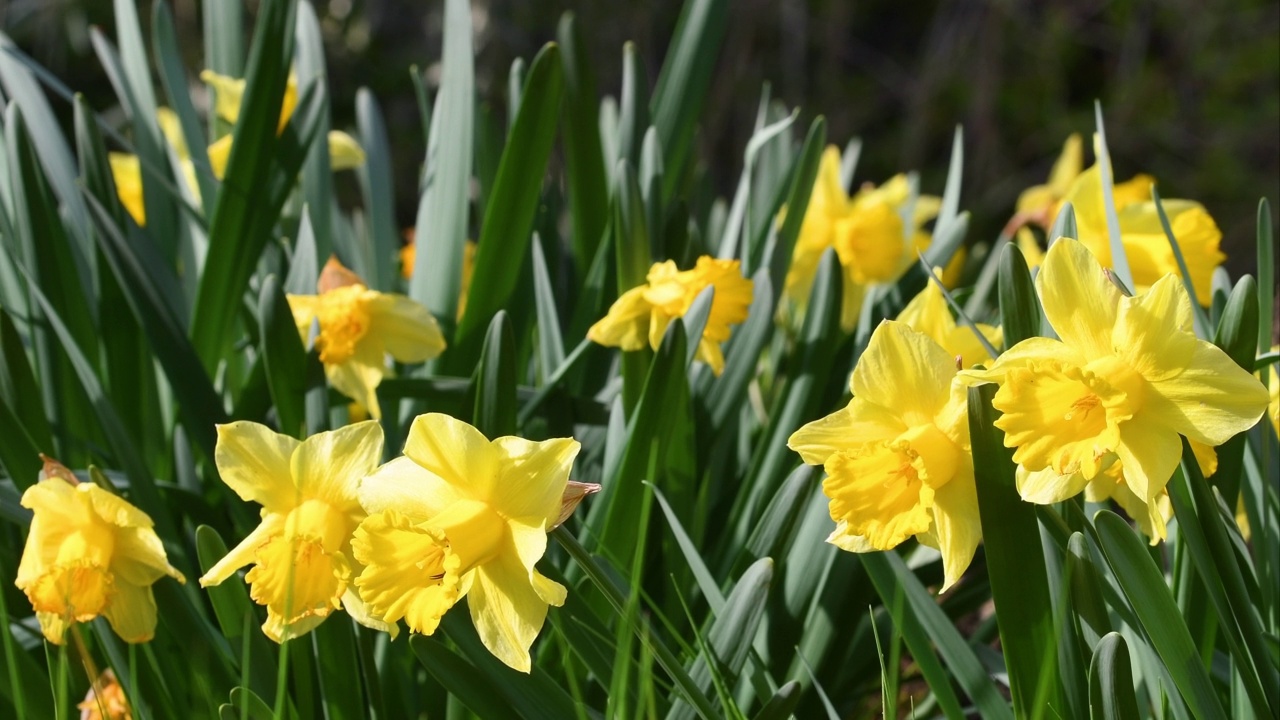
(344, 319)
(879, 491)
(79, 589)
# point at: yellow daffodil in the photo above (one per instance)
(929, 313)
(642, 314)
(1273, 386)
(301, 550)
(462, 515)
(1037, 203)
(875, 234)
(105, 700)
(1127, 377)
(897, 456)
(126, 171)
(89, 553)
(359, 327)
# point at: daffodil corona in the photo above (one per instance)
(1127, 377)
(301, 550)
(462, 515)
(359, 327)
(89, 553)
(897, 456)
(642, 314)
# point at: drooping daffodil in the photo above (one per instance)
(459, 515)
(1126, 379)
(897, 456)
(89, 553)
(301, 550)
(641, 315)
(359, 327)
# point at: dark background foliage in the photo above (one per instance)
(1191, 89)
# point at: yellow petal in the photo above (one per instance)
(928, 313)
(858, 423)
(1153, 330)
(1031, 251)
(126, 173)
(132, 612)
(455, 451)
(408, 488)
(139, 558)
(171, 127)
(53, 626)
(228, 92)
(245, 552)
(359, 375)
(1079, 301)
(253, 461)
(904, 370)
(305, 311)
(112, 508)
(1068, 165)
(219, 154)
(533, 477)
(344, 152)
(956, 524)
(1210, 401)
(1151, 256)
(626, 325)
(1048, 486)
(329, 466)
(407, 329)
(508, 609)
(1148, 453)
(842, 538)
(356, 608)
(828, 190)
(278, 630)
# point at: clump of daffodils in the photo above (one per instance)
(641, 315)
(89, 553)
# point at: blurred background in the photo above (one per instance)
(1190, 88)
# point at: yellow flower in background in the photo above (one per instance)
(462, 515)
(929, 313)
(1127, 377)
(301, 551)
(874, 233)
(897, 456)
(409, 255)
(1036, 204)
(1273, 386)
(126, 171)
(359, 327)
(641, 316)
(105, 700)
(89, 553)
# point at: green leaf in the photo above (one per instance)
(730, 241)
(1201, 321)
(706, 582)
(1065, 224)
(1019, 580)
(1019, 306)
(731, 634)
(774, 532)
(584, 156)
(1266, 275)
(20, 391)
(304, 267)
(684, 82)
(633, 113)
(633, 257)
(173, 75)
(550, 342)
(224, 37)
(334, 646)
(1143, 584)
(376, 186)
(508, 220)
(804, 174)
(495, 381)
(476, 690)
(742, 354)
(924, 627)
(284, 358)
(1119, 257)
(1111, 681)
(951, 191)
(241, 220)
(802, 394)
(1237, 332)
(782, 705)
(443, 207)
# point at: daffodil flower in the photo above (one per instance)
(875, 234)
(929, 313)
(301, 551)
(1038, 204)
(89, 553)
(897, 456)
(105, 700)
(462, 515)
(641, 316)
(1126, 379)
(359, 327)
